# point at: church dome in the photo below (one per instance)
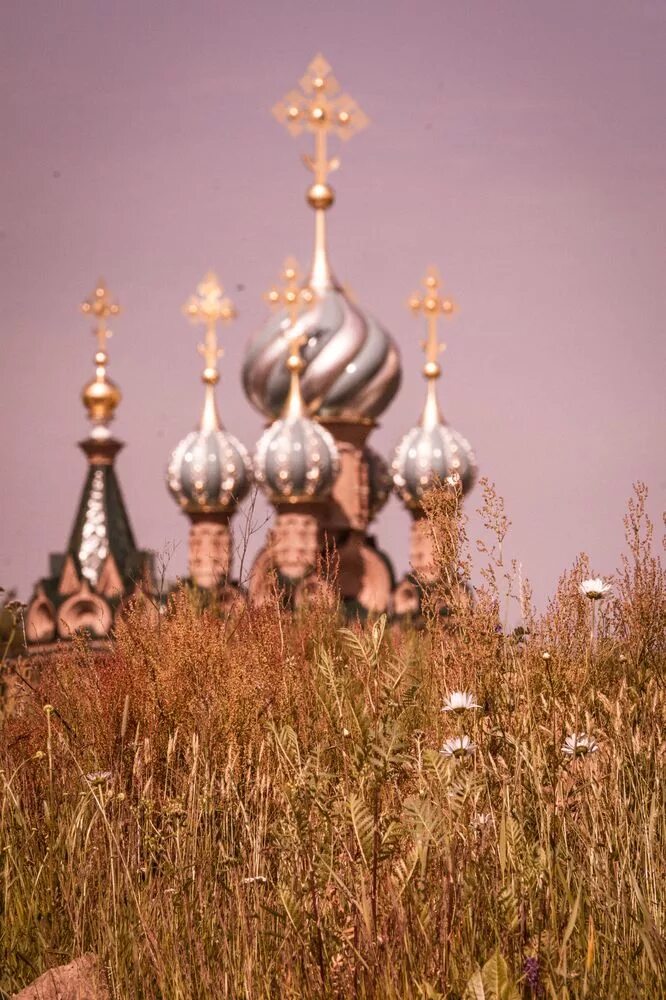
(209, 471)
(352, 365)
(430, 454)
(296, 460)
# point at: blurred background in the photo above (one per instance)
(520, 147)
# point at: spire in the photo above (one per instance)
(290, 296)
(208, 306)
(432, 305)
(320, 108)
(102, 527)
(100, 396)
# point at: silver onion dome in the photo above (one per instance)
(352, 366)
(430, 454)
(296, 459)
(209, 471)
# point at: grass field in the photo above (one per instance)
(259, 806)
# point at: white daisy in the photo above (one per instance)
(596, 589)
(459, 746)
(459, 701)
(579, 745)
(98, 777)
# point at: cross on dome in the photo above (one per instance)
(101, 306)
(208, 306)
(319, 107)
(290, 295)
(100, 396)
(432, 305)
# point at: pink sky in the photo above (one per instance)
(520, 146)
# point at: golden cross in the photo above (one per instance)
(290, 296)
(100, 305)
(319, 107)
(432, 305)
(208, 306)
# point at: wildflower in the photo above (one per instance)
(480, 821)
(345, 731)
(459, 701)
(98, 777)
(38, 755)
(579, 745)
(531, 972)
(459, 746)
(545, 656)
(596, 589)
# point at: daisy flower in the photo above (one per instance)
(459, 701)
(98, 777)
(458, 746)
(596, 589)
(579, 745)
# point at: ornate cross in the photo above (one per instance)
(100, 305)
(290, 296)
(432, 305)
(319, 107)
(208, 305)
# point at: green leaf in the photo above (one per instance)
(378, 632)
(363, 825)
(390, 839)
(474, 989)
(353, 643)
(424, 818)
(496, 980)
(509, 907)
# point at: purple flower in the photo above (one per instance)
(531, 972)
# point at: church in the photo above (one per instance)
(322, 371)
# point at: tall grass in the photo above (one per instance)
(257, 806)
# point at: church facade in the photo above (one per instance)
(322, 371)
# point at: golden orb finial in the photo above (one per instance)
(100, 396)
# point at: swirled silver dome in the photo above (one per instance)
(209, 471)
(428, 454)
(296, 459)
(352, 366)
(379, 481)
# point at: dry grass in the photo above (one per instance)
(278, 819)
